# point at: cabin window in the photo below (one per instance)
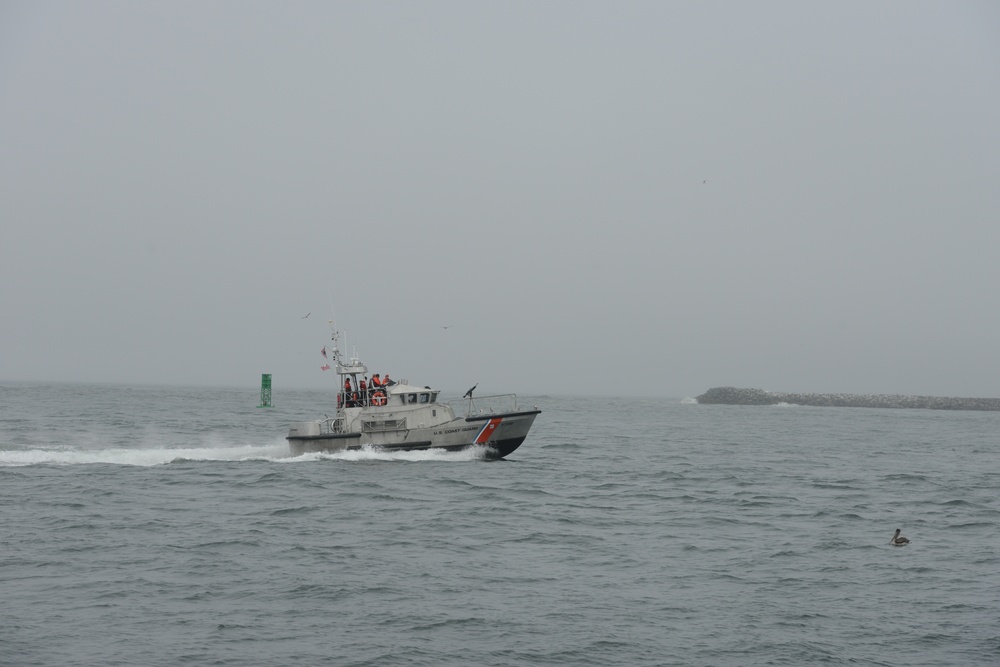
(411, 398)
(434, 397)
(434, 413)
(425, 398)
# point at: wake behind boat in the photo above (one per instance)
(398, 416)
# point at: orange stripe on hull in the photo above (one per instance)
(487, 432)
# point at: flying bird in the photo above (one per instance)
(898, 540)
(468, 394)
(306, 315)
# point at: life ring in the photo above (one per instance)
(378, 398)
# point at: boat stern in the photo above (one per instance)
(304, 429)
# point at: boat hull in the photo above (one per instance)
(497, 434)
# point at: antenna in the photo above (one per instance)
(333, 311)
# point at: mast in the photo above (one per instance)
(346, 368)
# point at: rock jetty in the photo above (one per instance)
(737, 396)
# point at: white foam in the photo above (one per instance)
(376, 454)
(141, 457)
(277, 452)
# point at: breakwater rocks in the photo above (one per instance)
(737, 396)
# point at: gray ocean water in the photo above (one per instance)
(169, 526)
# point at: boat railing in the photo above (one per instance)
(331, 425)
(488, 405)
(383, 425)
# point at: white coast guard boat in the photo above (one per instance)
(403, 417)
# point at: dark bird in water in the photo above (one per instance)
(898, 540)
(306, 315)
(468, 394)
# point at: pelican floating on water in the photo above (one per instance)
(898, 540)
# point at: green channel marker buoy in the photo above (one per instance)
(265, 391)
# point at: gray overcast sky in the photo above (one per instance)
(620, 197)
